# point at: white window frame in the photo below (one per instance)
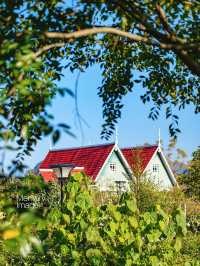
(113, 167)
(156, 168)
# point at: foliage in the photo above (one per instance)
(176, 157)
(190, 252)
(147, 43)
(151, 194)
(146, 194)
(105, 197)
(191, 179)
(86, 234)
(137, 173)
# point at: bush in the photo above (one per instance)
(190, 252)
(86, 234)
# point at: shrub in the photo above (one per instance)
(86, 234)
(190, 252)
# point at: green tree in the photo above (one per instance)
(154, 44)
(191, 179)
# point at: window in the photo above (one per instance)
(113, 167)
(156, 168)
(121, 186)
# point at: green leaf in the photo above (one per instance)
(188, 264)
(115, 214)
(92, 235)
(27, 218)
(138, 242)
(75, 255)
(65, 126)
(64, 250)
(71, 237)
(154, 236)
(147, 217)
(178, 244)
(70, 205)
(93, 252)
(36, 243)
(113, 226)
(154, 260)
(66, 218)
(132, 206)
(83, 201)
(162, 225)
(181, 221)
(83, 224)
(56, 136)
(133, 222)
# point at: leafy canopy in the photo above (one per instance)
(154, 44)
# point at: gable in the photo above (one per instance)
(156, 171)
(148, 157)
(143, 154)
(107, 178)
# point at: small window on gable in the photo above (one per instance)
(156, 168)
(113, 167)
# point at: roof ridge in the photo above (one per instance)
(82, 147)
(140, 146)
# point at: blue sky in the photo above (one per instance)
(134, 127)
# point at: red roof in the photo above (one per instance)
(91, 158)
(142, 154)
(48, 175)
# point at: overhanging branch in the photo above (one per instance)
(92, 31)
(181, 49)
(49, 47)
(134, 37)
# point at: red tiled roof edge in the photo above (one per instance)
(91, 158)
(145, 153)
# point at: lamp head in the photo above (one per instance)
(62, 171)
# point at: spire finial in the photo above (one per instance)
(116, 135)
(159, 139)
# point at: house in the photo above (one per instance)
(110, 167)
(150, 162)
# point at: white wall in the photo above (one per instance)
(106, 179)
(160, 177)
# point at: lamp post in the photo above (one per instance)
(62, 171)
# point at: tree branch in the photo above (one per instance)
(188, 61)
(170, 41)
(180, 52)
(48, 47)
(95, 30)
(142, 19)
(180, 49)
(163, 18)
(91, 31)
